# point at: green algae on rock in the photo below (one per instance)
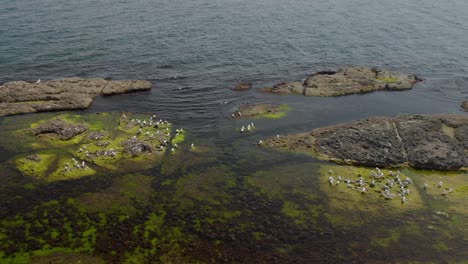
(261, 111)
(357, 195)
(350, 80)
(83, 145)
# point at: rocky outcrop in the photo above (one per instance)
(19, 97)
(420, 141)
(61, 129)
(465, 105)
(350, 80)
(243, 87)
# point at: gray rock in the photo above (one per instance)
(136, 147)
(350, 80)
(61, 129)
(19, 97)
(419, 141)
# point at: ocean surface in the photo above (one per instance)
(194, 51)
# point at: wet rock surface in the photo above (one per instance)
(19, 97)
(420, 141)
(465, 105)
(61, 129)
(350, 80)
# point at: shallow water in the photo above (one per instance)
(193, 52)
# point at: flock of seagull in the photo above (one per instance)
(389, 186)
(151, 123)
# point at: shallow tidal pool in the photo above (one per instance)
(203, 203)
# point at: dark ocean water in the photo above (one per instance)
(194, 51)
(205, 47)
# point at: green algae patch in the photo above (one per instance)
(353, 202)
(282, 111)
(182, 161)
(440, 246)
(179, 137)
(93, 144)
(67, 258)
(69, 168)
(451, 196)
(161, 242)
(295, 188)
(35, 165)
(391, 237)
(124, 196)
(198, 187)
(259, 111)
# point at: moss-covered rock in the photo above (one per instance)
(358, 195)
(75, 146)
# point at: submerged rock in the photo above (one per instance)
(420, 141)
(260, 111)
(19, 97)
(465, 105)
(350, 80)
(243, 86)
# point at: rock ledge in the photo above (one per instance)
(350, 80)
(19, 97)
(419, 141)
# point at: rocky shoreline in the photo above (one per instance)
(465, 105)
(350, 80)
(419, 141)
(19, 97)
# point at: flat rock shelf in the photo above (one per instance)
(349, 80)
(20, 97)
(437, 142)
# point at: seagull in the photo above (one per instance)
(38, 81)
(260, 142)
